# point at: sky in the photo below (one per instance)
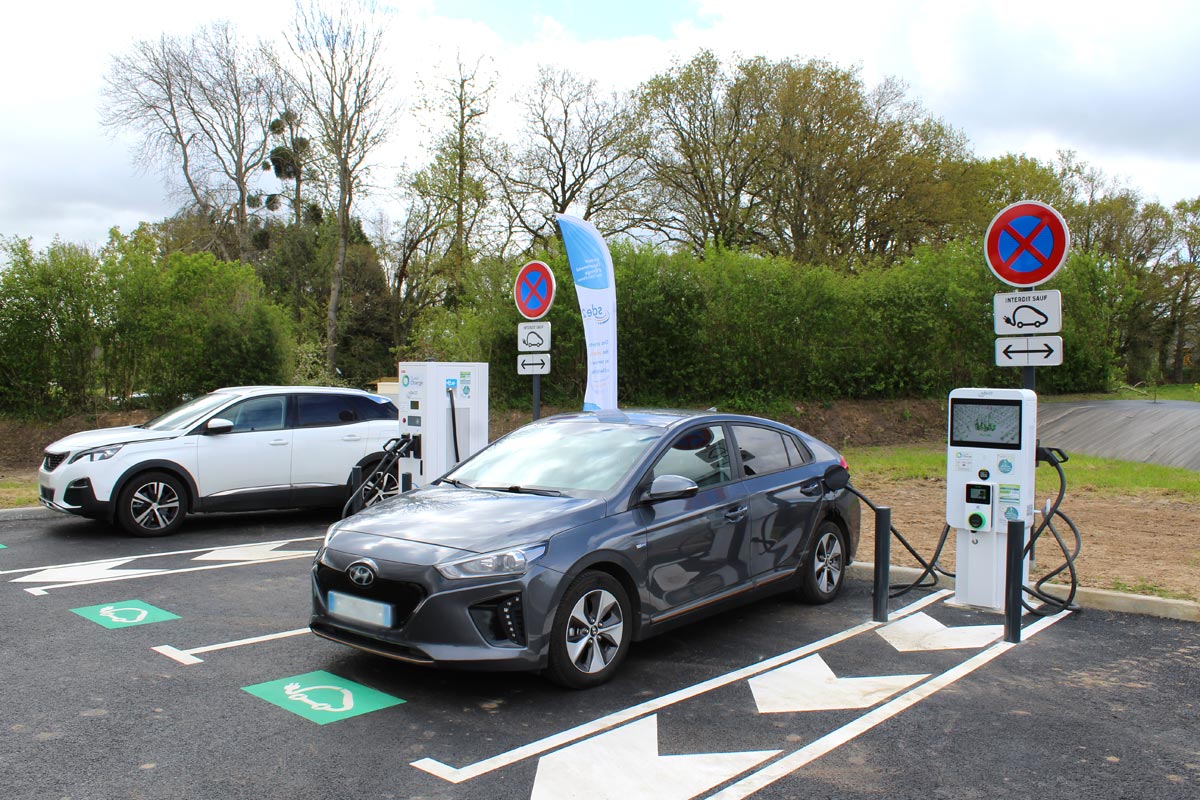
(1117, 83)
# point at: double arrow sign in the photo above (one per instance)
(533, 339)
(1029, 351)
(1021, 313)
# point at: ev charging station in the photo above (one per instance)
(991, 458)
(444, 408)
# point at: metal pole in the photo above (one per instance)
(1012, 581)
(883, 562)
(537, 397)
(1028, 373)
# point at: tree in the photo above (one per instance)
(709, 137)
(580, 150)
(1183, 283)
(455, 179)
(343, 83)
(289, 160)
(202, 105)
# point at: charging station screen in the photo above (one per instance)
(985, 423)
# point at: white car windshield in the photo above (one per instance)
(582, 456)
(189, 413)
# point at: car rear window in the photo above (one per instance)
(763, 450)
(322, 410)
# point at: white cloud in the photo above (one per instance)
(1113, 82)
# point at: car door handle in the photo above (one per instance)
(278, 442)
(736, 514)
(811, 488)
(351, 437)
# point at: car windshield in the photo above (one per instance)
(571, 456)
(189, 413)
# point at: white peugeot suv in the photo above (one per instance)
(236, 449)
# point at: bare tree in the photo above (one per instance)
(580, 149)
(343, 84)
(455, 179)
(202, 106)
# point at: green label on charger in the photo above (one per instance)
(322, 697)
(124, 614)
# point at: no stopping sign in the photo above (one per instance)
(1026, 243)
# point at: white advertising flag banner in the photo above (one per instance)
(595, 286)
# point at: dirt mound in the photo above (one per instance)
(22, 442)
(841, 423)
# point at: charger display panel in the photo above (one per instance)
(990, 423)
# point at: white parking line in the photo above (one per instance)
(189, 656)
(41, 590)
(471, 771)
(275, 542)
(83, 573)
(830, 741)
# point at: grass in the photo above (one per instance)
(1104, 475)
(15, 493)
(1167, 391)
(1144, 587)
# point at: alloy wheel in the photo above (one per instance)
(595, 630)
(154, 506)
(827, 562)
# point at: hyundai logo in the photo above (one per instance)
(361, 573)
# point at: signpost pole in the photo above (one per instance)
(1028, 373)
(537, 397)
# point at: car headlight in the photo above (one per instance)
(502, 563)
(97, 453)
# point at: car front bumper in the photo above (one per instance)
(496, 624)
(76, 497)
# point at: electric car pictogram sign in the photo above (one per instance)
(534, 290)
(1026, 243)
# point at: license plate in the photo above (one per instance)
(356, 609)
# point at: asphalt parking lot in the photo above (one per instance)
(181, 667)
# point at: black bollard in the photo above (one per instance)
(883, 561)
(1012, 581)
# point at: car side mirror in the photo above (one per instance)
(836, 478)
(217, 425)
(671, 487)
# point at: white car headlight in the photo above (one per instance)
(502, 563)
(97, 453)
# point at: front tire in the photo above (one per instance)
(153, 504)
(592, 630)
(824, 569)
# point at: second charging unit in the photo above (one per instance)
(991, 458)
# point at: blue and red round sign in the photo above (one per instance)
(534, 290)
(1026, 243)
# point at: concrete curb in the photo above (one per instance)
(27, 512)
(1099, 599)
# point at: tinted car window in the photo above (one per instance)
(370, 408)
(763, 450)
(257, 414)
(699, 454)
(322, 410)
(797, 452)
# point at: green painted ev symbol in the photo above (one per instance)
(322, 697)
